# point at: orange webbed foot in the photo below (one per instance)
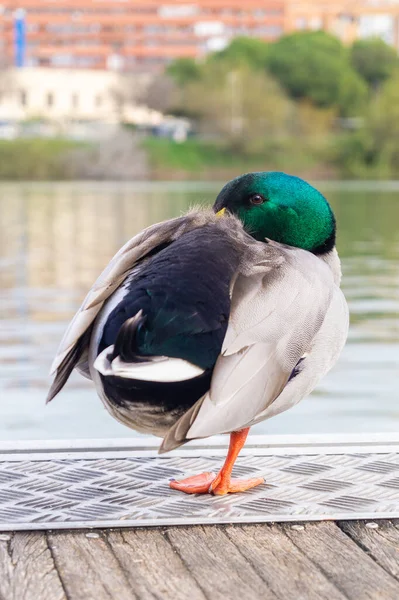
(235, 485)
(210, 483)
(197, 484)
(222, 483)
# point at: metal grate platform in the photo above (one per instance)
(121, 483)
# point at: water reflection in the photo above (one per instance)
(54, 241)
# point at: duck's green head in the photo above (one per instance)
(282, 208)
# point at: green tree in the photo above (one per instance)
(242, 107)
(382, 124)
(373, 150)
(184, 70)
(315, 65)
(374, 60)
(244, 51)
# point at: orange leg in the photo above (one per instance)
(222, 483)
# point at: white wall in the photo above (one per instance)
(70, 94)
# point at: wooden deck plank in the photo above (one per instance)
(88, 567)
(355, 573)
(321, 561)
(152, 567)
(217, 565)
(27, 569)
(286, 570)
(382, 544)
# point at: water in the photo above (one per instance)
(54, 241)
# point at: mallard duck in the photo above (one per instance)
(214, 321)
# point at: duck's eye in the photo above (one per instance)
(256, 199)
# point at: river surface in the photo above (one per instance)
(56, 238)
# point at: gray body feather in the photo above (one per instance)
(287, 307)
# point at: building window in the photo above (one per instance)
(62, 60)
(301, 23)
(50, 99)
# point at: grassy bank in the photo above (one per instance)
(117, 158)
(195, 159)
(60, 159)
(35, 159)
(128, 156)
(190, 156)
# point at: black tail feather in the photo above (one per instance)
(126, 344)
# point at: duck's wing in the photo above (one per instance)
(72, 351)
(278, 306)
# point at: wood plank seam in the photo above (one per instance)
(248, 560)
(223, 529)
(179, 554)
(318, 566)
(27, 568)
(104, 535)
(306, 558)
(153, 567)
(209, 551)
(332, 541)
(88, 568)
(8, 547)
(362, 546)
(53, 558)
(9, 552)
(347, 531)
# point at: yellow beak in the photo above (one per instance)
(221, 212)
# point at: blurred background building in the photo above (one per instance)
(130, 35)
(82, 62)
(63, 95)
(142, 37)
(137, 35)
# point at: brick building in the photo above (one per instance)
(137, 35)
(128, 34)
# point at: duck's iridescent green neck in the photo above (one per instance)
(310, 228)
(293, 212)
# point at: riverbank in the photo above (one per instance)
(131, 156)
(198, 160)
(118, 158)
(128, 156)
(35, 159)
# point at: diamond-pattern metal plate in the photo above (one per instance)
(61, 489)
